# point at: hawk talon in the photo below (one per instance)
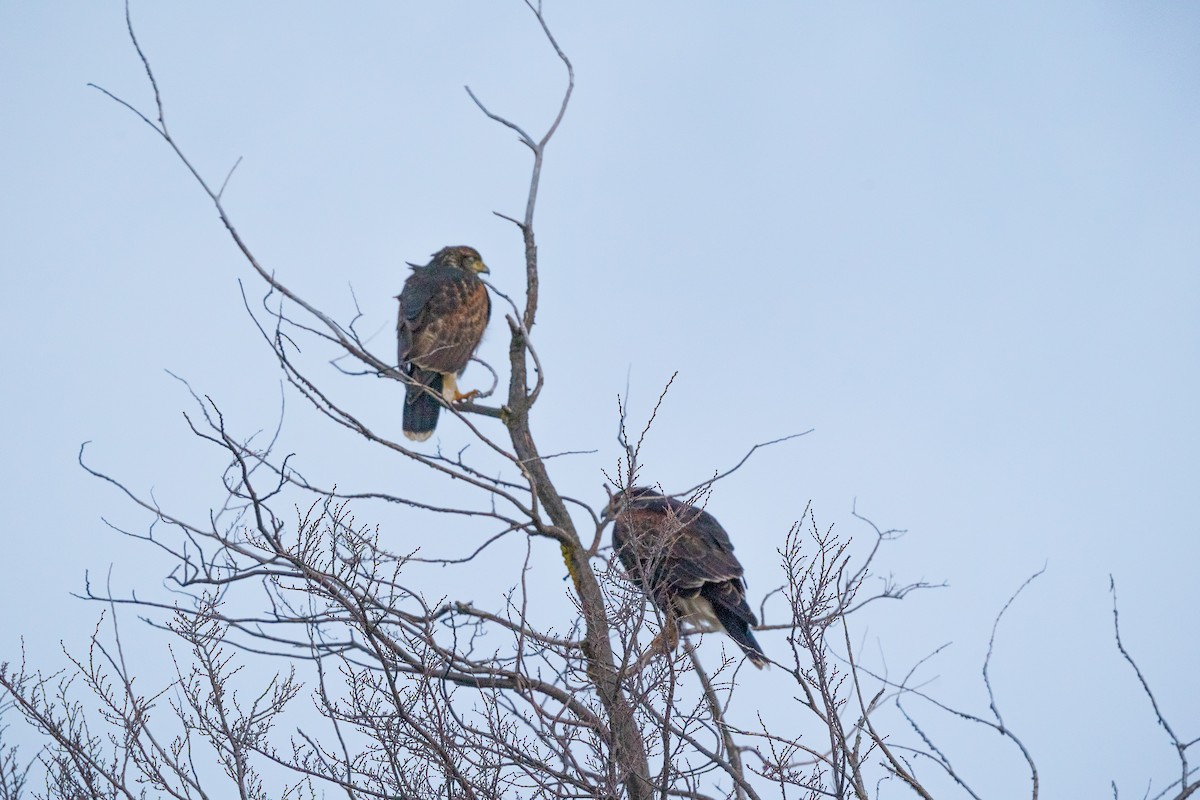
(466, 398)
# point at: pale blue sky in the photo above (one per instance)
(960, 240)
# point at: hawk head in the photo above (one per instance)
(460, 257)
(625, 499)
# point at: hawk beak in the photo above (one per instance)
(483, 269)
(609, 512)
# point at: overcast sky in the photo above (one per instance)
(961, 241)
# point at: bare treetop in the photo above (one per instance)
(314, 655)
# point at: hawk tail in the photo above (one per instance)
(738, 628)
(751, 648)
(745, 640)
(422, 404)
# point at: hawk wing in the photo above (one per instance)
(443, 313)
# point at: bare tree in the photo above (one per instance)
(373, 689)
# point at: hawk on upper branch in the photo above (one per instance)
(681, 557)
(444, 309)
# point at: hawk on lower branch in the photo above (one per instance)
(444, 309)
(681, 557)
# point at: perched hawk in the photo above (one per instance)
(443, 310)
(681, 557)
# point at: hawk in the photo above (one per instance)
(444, 309)
(682, 559)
